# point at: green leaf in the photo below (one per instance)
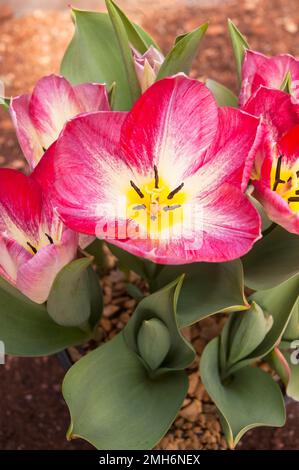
(239, 44)
(116, 18)
(292, 330)
(180, 58)
(241, 402)
(69, 302)
(123, 408)
(208, 288)
(278, 302)
(153, 341)
(293, 361)
(139, 39)
(5, 102)
(94, 56)
(223, 95)
(272, 260)
(247, 330)
(286, 85)
(162, 305)
(26, 328)
(127, 405)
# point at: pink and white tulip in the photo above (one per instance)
(175, 149)
(40, 116)
(277, 183)
(147, 66)
(260, 70)
(34, 243)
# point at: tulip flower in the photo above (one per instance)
(147, 66)
(40, 116)
(277, 186)
(271, 72)
(34, 244)
(169, 175)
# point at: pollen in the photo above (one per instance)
(155, 205)
(285, 181)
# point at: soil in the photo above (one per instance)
(33, 414)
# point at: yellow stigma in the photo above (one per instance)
(285, 181)
(155, 205)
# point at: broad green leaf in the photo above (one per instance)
(95, 298)
(162, 305)
(116, 18)
(239, 44)
(26, 328)
(293, 361)
(153, 341)
(278, 302)
(241, 401)
(272, 260)
(208, 288)
(127, 405)
(247, 331)
(123, 408)
(94, 56)
(137, 37)
(180, 58)
(278, 362)
(69, 302)
(292, 330)
(223, 95)
(96, 249)
(266, 222)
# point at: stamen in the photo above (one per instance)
(139, 207)
(138, 191)
(293, 199)
(297, 192)
(49, 238)
(297, 174)
(171, 208)
(32, 248)
(156, 177)
(277, 174)
(175, 191)
(276, 183)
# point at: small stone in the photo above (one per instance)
(192, 411)
(110, 310)
(193, 383)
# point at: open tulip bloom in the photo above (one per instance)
(165, 181)
(34, 244)
(40, 116)
(277, 179)
(187, 184)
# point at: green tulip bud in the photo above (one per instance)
(153, 341)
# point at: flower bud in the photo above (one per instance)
(153, 341)
(147, 66)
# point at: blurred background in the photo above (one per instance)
(33, 38)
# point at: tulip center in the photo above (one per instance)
(33, 247)
(155, 204)
(285, 181)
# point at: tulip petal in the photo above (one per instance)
(89, 170)
(92, 97)
(171, 126)
(231, 157)
(259, 69)
(25, 130)
(276, 207)
(229, 227)
(52, 103)
(12, 255)
(36, 276)
(20, 204)
(277, 108)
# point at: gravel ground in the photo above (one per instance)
(33, 414)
